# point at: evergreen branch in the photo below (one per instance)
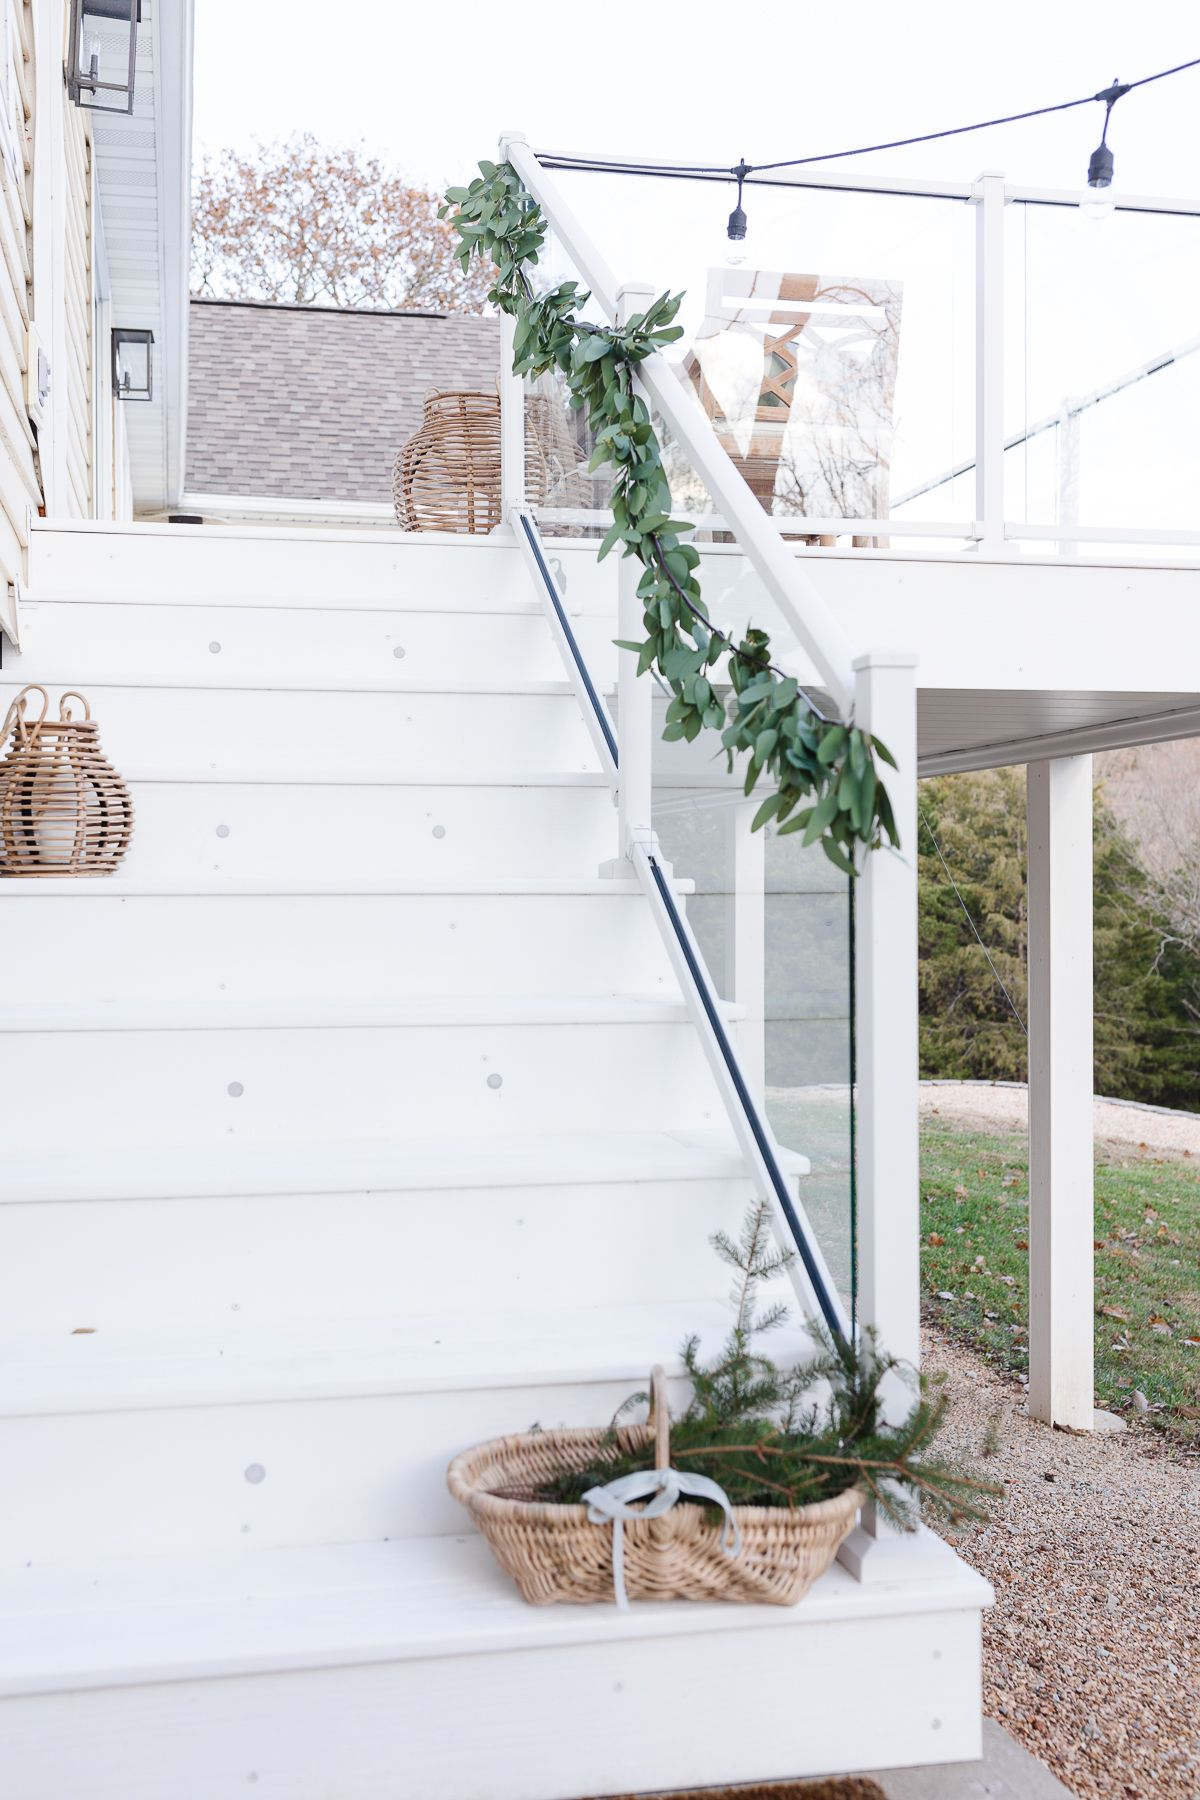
(744, 1415)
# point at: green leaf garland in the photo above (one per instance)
(824, 771)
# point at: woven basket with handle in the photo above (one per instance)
(554, 1553)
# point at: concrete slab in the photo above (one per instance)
(1007, 1772)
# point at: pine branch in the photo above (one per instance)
(745, 1420)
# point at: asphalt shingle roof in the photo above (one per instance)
(310, 403)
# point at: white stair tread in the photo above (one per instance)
(155, 1620)
(324, 1014)
(333, 600)
(220, 681)
(316, 776)
(242, 1364)
(121, 886)
(529, 1160)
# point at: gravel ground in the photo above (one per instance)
(1092, 1649)
(1118, 1124)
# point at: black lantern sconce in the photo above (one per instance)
(132, 364)
(102, 53)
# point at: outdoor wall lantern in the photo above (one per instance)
(102, 53)
(132, 362)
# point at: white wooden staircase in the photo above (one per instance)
(356, 1119)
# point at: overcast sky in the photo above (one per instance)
(430, 86)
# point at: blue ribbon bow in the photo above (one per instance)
(660, 1488)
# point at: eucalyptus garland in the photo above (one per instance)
(823, 771)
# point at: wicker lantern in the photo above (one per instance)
(447, 476)
(64, 810)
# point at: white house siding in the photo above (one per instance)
(20, 487)
(77, 299)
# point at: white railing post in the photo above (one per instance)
(988, 195)
(635, 694)
(746, 940)
(512, 428)
(887, 1169)
(512, 403)
(885, 950)
(1067, 434)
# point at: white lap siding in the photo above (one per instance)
(20, 486)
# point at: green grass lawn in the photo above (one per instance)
(975, 1267)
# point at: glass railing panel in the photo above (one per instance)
(1102, 356)
(773, 919)
(835, 359)
(569, 500)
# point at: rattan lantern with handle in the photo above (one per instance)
(447, 476)
(64, 810)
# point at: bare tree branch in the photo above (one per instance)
(312, 224)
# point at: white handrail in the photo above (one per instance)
(807, 615)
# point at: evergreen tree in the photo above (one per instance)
(1146, 1043)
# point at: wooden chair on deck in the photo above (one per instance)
(798, 374)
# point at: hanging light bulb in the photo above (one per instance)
(735, 231)
(1098, 200)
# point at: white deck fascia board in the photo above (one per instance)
(1117, 734)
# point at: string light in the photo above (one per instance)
(1096, 199)
(735, 231)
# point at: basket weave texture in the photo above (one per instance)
(447, 476)
(64, 810)
(554, 1553)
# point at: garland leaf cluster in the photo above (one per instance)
(758, 1431)
(823, 771)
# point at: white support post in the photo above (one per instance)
(635, 694)
(887, 1168)
(989, 197)
(1061, 1173)
(746, 939)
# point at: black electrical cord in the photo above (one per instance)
(744, 171)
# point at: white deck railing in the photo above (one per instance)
(991, 195)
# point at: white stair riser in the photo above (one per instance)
(340, 732)
(106, 639)
(535, 1726)
(337, 1470)
(142, 1263)
(175, 642)
(333, 946)
(193, 829)
(156, 1088)
(198, 563)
